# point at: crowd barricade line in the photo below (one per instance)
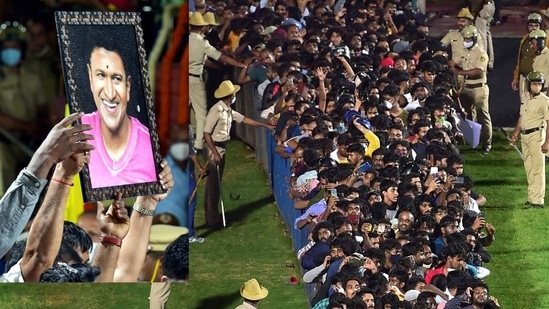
(277, 169)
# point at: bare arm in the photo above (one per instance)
(321, 89)
(231, 61)
(134, 247)
(251, 122)
(115, 223)
(46, 232)
(347, 67)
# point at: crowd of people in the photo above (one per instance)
(368, 109)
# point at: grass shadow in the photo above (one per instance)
(219, 301)
(237, 215)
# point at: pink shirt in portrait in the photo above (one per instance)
(136, 164)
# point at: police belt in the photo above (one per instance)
(528, 131)
(473, 86)
(221, 144)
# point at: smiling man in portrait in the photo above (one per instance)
(123, 152)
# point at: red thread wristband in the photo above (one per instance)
(111, 240)
(62, 182)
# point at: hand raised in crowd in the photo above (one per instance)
(449, 182)
(61, 143)
(327, 261)
(115, 222)
(319, 72)
(288, 87)
(478, 223)
(166, 180)
(490, 229)
(514, 85)
(341, 12)
(369, 265)
(73, 164)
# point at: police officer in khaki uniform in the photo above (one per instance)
(200, 49)
(472, 65)
(537, 40)
(453, 38)
(22, 101)
(533, 127)
(217, 134)
(483, 10)
(525, 59)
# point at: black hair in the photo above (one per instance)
(76, 237)
(175, 263)
(77, 272)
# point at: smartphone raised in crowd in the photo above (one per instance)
(434, 172)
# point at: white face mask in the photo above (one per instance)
(468, 44)
(180, 151)
(233, 100)
(388, 104)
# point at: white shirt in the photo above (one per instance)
(14, 274)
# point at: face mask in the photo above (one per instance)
(233, 100)
(252, 9)
(180, 151)
(341, 290)
(93, 250)
(354, 218)
(394, 258)
(11, 56)
(388, 104)
(468, 44)
(304, 71)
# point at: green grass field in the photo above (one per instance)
(256, 245)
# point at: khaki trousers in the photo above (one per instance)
(475, 102)
(212, 192)
(160, 291)
(198, 103)
(534, 165)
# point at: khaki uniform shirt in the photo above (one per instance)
(474, 58)
(20, 94)
(541, 63)
(219, 121)
(535, 112)
(525, 57)
(454, 40)
(43, 67)
(200, 48)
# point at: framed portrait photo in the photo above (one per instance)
(105, 69)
